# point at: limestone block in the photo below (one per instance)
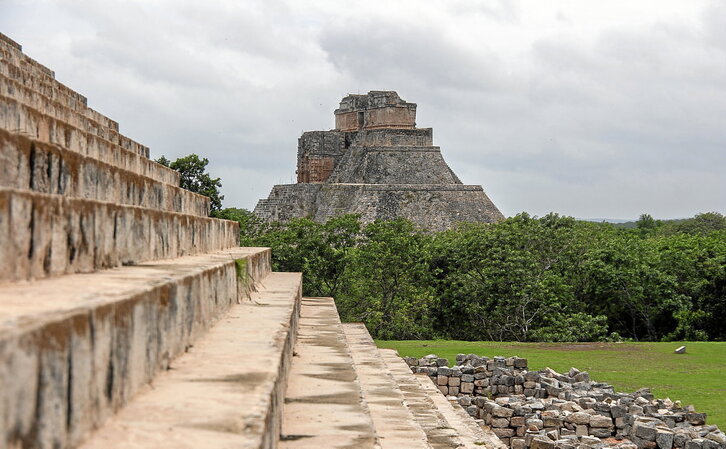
(517, 421)
(600, 421)
(503, 432)
(467, 388)
(601, 432)
(696, 419)
(578, 418)
(501, 412)
(500, 422)
(664, 439)
(542, 443)
(644, 431)
(534, 423)
(582, 430)
(551, 421)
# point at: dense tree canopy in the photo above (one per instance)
(552, 278)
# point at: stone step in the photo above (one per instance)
(21, 68)
(446, 424)
(14, 57)
(394, 423)
(323, 406)
(65, 109)
(75, 349)
(49, 235)
(227, 391)
(18, 118)
(27, 164)
(59, 94)
(46, 85)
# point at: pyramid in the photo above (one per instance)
(376, 163)
(130, 319)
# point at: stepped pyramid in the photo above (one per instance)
(376, 163)
(129, 319)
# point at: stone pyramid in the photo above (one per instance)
(130, 319)
(376, 163)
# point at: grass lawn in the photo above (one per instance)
(697, 377)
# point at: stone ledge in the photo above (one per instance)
(67, 109)
(27, 164)
(393, 421)
(10, 50)
(49, 235)
(18, 118)
(77, 348)
(228, 390)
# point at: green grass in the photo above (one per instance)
(697, 377)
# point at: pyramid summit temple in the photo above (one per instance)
(376, 163)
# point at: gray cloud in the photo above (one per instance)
(612, 113)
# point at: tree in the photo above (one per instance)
(193, 177)
(701, 224)
(320, 251)
(390, 288)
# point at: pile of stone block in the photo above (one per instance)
(545, 409)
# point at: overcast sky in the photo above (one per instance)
(588, 108)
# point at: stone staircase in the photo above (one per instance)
(130, 319)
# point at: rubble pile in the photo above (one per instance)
(549, 410)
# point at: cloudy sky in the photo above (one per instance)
(583, 107)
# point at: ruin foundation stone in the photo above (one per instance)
(376, 163)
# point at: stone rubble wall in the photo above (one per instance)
(547, 410)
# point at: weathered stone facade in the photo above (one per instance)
(376, 163)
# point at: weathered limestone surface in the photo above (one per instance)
(395, 425)
(49, 235)
(228, 390)
(33, 165)
(78, 197)
(173, 336)
(75, 349)
(39, 79)
(445, 422)
(323, 405)
(23, 120)
(378, 164)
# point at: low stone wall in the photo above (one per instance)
(546, 410)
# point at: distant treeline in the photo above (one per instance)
(552, 278)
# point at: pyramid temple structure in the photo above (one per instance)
(130, 319)
(376, 163)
